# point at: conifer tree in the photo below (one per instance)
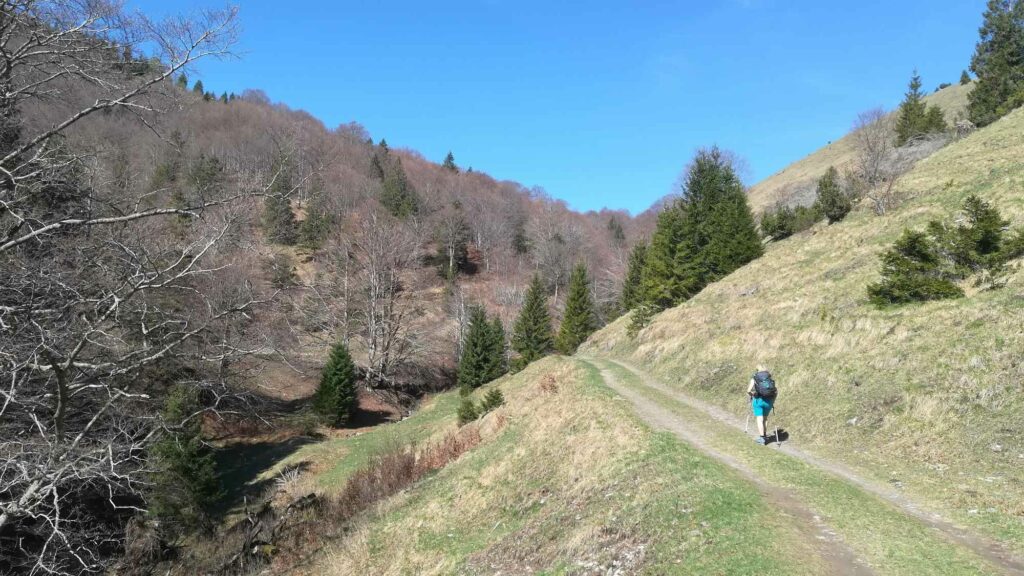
(913, 271)
(477, 365)
(278, 219)
(998, 62)
(183, 82)
(498, 354)
(579, 321)
(634, 271)
(617, 233)
(335, 398)
(965, 78)
(198, 87)
(911, 112)
(397, 195)
(467, 411)
(832, 201)
(184, 481)
(224, 97)
(532, 335)
(449, 162)
(660, 282)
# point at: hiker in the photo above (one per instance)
(762, 392)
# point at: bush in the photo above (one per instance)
(467, 411)
(492, 400)
(912, 271)
(783, 221)
(184, 482)
(832, 201)
(335, 399)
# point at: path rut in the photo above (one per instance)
(842, 559)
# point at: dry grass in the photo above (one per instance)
(924, 395)
(798, 180)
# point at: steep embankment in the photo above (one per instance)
(924, 398)
(796, 183)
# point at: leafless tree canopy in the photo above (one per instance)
(102, 281)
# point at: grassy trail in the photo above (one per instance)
(859, 526)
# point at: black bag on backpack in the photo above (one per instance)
(764, 386)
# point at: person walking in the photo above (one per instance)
(762, 392)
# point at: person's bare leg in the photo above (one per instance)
(760, 425)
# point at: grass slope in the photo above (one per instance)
(798, 180)
(565, 481)
(926, 397)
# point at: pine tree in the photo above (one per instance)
(224, 98)
(660, 285)
(198, 87)
(335, 398)
(315, 228)
(913, 271)
(934, 121)
(911, 112)
(183, 82)
(532, 335)
(397, 195)
(832, 201)
(449, 162)
(965, 78)
(617, 233)
(492, 399)
(480, 354)
(467, 411)
(998, 63)
(278, 219)
(184, 484)
(579, 321)
(498, 355)
(634, 271)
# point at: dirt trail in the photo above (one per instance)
(651, 411)
(839, 558)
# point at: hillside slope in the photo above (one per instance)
(796, 182)
(925, 398)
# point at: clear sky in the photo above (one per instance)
(600, 103)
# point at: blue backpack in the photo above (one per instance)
(764, 386)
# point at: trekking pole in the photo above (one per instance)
(778, 439)
(746, 423)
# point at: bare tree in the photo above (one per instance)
(97, 289)
(383, 250)
(873, 134)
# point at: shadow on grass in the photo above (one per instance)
(241, 464)
(779, 437)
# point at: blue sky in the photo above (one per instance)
(599, 103)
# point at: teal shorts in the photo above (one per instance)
(761, 406)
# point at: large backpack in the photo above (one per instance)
(764, 386)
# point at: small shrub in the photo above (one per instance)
(492, 400)
(784, 221)
(913, 271)
(467, 411)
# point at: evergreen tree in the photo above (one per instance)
(184, 481)
(278, 218)
(832, 201)
(492, 399)
(335, 398)
(912, 271)
(198, 87)
(481, 356)
(579, 321)
(532, 335)
(965, 78)
(634, 271)
(617, 233)
(498, 354)
(660, 282)
(383, 144)
(449, 162)
(935, 121)
(183, 82)
(224, 98)
(397, 195)
(911, 112)
(317, 225)
(998, 62)
(467, 411)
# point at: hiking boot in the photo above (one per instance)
(762, 440)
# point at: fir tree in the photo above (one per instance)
(467, 411)
(183, 82)
(449, 162)
(184, 482)
(198, 87)
(480, 354)
(532, 335)
(397, 195)
(498, 354)
(617, 233)
(911, 119)
(579, 321)
(335, 398)
(832, 201)
(660, 282)
(913, 271)
(492, 399)
(934, 121)
(224, 98)
(998, 62)
(314, 229)
(965, 78)
(278, 219)
(634, 271)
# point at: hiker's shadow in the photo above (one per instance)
(780, 436)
